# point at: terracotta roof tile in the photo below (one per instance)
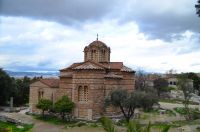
(98, 44)
(102, 65)
(89, 65)
(126, 69)
(51, 82)
(112, 75)
(113, 65)
(71, 66)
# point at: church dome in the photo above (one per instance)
(97, 43)
(97, 51)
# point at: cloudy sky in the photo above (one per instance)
(48, 35)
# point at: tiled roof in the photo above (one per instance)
(113, 65)
(66, 74)
(99, 66)
(112, 75)
(126, 69)
(71, 66)
(51, 82)
(88, 65)
(97, 43)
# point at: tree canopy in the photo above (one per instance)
(63, 106)
(44, 105)
(5, 87)
(18, 88)
(160, 84)
(128, 102)
(196, 80)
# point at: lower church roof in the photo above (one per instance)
(51, 82)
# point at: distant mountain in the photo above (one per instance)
(46, 74)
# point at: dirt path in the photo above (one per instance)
(40, 126)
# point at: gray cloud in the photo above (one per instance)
(163, 19)
(158, 19)
(63, 11)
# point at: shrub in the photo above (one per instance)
(63, 106)
(180, 110)
(195, 113)
(198, 129)
(44, 104)
(80, 124)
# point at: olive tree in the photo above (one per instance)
(63, 106)
(129, 101)
(44, 105)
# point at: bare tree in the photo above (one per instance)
(141, 80)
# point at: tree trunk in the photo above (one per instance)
(126, 117)
(63, 115)
(42, 113)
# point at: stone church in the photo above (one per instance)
(86, 83)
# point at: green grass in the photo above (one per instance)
(180, 110)
(184, 122)
(13, 127)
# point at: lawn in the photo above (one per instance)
(9, 127)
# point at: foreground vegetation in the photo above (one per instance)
(9, 127)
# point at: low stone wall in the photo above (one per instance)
(14, 121)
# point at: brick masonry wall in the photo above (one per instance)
(33, 97)
(98, 88)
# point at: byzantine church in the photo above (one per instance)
(86, 83)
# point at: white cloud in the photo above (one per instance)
(43, 45)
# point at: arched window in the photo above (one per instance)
(103, 54)
(40, 94)
(83, 93)
(93, 55)
(86, 93)
(80, 93)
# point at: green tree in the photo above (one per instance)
(5, 87)
(185, 87)
(44, 105)
(63, 106)
(196, 81)
(198, 8)
(128, 102)
(148, 99)
(21, 91)
(159, 85)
